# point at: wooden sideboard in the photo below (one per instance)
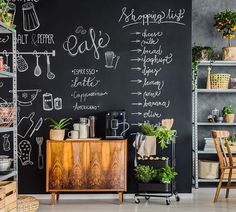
(86, 166)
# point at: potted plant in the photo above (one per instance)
(5, 16)
(145, 173)
(225, 22)
(154, 179)
(228, 113)
(166, 174)
(58, 128)
(164, 135)
(201, 53)
(232, 143)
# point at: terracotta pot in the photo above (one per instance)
(229, 118)
(229, 53)
(56, 135)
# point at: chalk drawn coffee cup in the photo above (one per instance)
(73, 134)
(109, 57)
(76, 126)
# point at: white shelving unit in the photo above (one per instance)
(197, 124)
(12, 74)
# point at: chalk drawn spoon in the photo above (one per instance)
(50, 75)
(37, 70)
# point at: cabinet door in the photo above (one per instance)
(107, 165)
(66, 165)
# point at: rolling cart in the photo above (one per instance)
(163, 158)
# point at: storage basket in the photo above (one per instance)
(220, 81)
(6, 115)
(208, 169)
(27, 204)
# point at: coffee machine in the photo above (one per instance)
(116, 125)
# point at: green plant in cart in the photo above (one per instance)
(147, 129)
(164, 136)
(166, 174)
(145, 173)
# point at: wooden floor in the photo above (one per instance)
(200, 201)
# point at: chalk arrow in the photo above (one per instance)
(136, 50)
(136, 93)
(135, 33)
(137, 81)
(137, 68)
(135, 41)
(137, 124)
(135, 59)
(138, 113)
(137, 103)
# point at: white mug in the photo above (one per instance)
(76, 126)
(73, 134)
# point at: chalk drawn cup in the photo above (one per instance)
(73, 134)
(109, 57)
(30, 18)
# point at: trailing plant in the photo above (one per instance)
(228, 110)
(225, 22)
(196, 57)
(61, 124)
(166, 174)
(4, 13)
(164, 136)
(145, 173)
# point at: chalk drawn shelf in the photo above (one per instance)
(203, 126)
(13, 126)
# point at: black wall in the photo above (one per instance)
(81, 32)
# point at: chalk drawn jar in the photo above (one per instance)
(58, 103)
(47, 102)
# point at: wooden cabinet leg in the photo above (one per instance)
(57, 196)
(53, 198)
(120, 197)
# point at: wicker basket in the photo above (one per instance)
(220, 81)
(27, 204)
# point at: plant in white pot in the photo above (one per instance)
(225, 22)
(57, 132)
(228, 113)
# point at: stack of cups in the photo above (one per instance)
(74, 134)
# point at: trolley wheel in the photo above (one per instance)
(136, 200)
(147, 197)
(167, 201)
(177, 198)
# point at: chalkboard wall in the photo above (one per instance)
(110, 55)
